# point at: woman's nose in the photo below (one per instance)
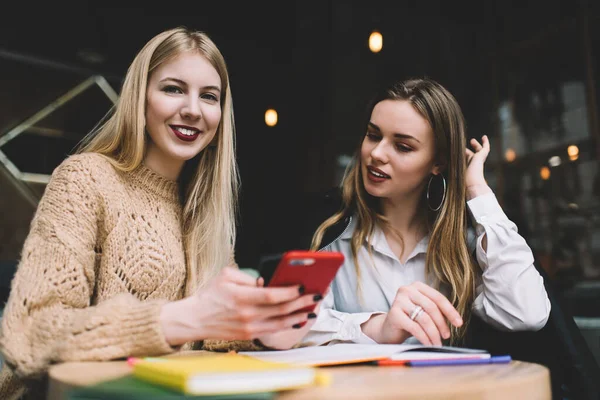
(192, 109)
(379, 152)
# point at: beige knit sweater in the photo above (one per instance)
(103, 255)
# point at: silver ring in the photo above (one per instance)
(416, 312)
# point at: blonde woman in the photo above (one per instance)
(411, 271)
(130, 249)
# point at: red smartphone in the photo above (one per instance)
(313, 269)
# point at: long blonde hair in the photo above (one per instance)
(209, 183)
(448, 257)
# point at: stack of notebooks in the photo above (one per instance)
(215, 376)
(259, 375)
(131, 388)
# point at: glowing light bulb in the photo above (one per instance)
(545, 173)
(271, 117)
(375, 42)
(510, 155)
(554, 161)
(573, 152)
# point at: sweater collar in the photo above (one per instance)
(155, 183)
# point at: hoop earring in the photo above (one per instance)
(443, 193)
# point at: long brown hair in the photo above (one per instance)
(447, 257)
(209, 181)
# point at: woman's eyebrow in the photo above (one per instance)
(396, 135)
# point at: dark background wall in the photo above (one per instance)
(310, 61)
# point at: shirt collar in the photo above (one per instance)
(380, 244)
(347, 234)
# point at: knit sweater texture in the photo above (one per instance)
(103, 255)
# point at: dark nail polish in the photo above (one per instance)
(301, 289)
(312, 315)
(318, 297)
(297, 326)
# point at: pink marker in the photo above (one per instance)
(131, 361)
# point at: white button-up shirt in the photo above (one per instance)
(510, 293)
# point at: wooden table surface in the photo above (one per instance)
(517, 380)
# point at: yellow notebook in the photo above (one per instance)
(229, 373)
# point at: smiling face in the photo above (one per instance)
(398, 152)
(183, 111)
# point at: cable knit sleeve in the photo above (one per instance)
(49, 317)
(231, 345)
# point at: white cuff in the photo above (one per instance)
(486, 210)
(351, 330)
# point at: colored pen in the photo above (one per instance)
(131, 361)
(391, 362)
(464, 361)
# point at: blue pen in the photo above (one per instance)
(465, 361)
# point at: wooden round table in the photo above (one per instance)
(517, 380)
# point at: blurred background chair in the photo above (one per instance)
(560, 345)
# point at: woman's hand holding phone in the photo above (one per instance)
(233, 307)
(287, 338)
(315, 271)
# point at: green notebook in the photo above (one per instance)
(130, 388)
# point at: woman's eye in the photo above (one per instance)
(403, 148)
(372, 136)
(210, 96)
(172, 89)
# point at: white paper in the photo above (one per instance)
(428, 355)
(345, 353)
